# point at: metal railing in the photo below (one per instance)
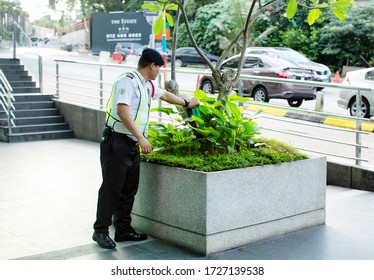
(6, 100)
(99, 90)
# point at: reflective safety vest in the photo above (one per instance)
(142, 114)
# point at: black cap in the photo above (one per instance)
(152, 55)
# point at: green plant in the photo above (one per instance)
(263, 152)
(217, 127)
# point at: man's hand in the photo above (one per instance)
(193, 103)
(144, 145)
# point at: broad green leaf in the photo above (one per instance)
(256, 114)
(199, 94)
(338, 13)
(234, 110)
(203, 131)
(313, 16)
(152, 7)
(198, 120)
(218, 114)
(340, 9)
(210, 100)
(156, 149)
(171, 127)
(164, 110)
(236, 98)
(173, 7)
(225, 129)
(323, 5)
(169, 19)
(158, 25)
(152, 133)
(214, 132)
(343, 3)
(291, 9)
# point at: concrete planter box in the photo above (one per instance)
(208, 212)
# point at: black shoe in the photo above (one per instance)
(104, 240)
(130, 236)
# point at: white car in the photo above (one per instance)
(347, 97)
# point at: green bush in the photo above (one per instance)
(217, 127)
(216, 137)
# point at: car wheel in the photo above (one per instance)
(295, 102)
(178, 62)
(365, 108)
(260, 94)
(207, 86)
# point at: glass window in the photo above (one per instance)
(370, 76)
(232, 63)
(251, 62)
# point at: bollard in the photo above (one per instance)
(319, 102)
(336, 78)
(198, 81)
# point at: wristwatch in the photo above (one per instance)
(186, 103)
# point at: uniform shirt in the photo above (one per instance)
(126, 92)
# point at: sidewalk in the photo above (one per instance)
(48, 198)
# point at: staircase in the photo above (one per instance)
(36, 117)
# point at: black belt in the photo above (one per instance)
(125, 138)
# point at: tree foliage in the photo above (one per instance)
(225, 81)
(9, 11)
(348, 42)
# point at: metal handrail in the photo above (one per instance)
(7, 99)
(358, 132)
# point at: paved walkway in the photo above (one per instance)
(48, 192)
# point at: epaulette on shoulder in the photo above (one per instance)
(130, 75)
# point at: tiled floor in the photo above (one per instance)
(48, 192)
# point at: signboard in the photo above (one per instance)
(108, 29)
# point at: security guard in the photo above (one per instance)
(127, 120)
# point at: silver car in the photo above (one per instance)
(323, 73)
(347, 97)
(267, 66)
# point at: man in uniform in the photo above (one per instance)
(127, 119)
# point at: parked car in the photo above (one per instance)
(347, 97)
(188, 55)
(126, 48)
(262, 65)
(139, 50)
(322, 71)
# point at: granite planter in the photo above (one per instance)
(208, 212)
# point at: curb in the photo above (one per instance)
(366, 125)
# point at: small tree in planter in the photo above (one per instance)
(218, 126)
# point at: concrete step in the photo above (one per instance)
(32, 113)
(33, 105)
(12, 67)
(15, 72)
(32, 97)
(22, 83)
(37, 136)
(38, 128)
(24, 77)
(9, 61)
(35, 120)
(26, 89)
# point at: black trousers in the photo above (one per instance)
(120, 165)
